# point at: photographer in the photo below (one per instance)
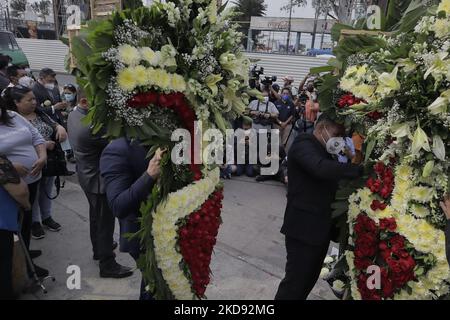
(286, 115)
(274, 95)
(264, 113)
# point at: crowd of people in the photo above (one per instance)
(291, 109)
(35, 117)
(41, 129)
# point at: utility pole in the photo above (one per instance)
(316, 18)
(323, 31)
(289, 28)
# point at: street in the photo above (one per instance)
(248, 263)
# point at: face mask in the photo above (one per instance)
(266, 98)
(26, 81)
(69, 97)
(28, 70)
(49, 86)
(286, 97)
(334, 145)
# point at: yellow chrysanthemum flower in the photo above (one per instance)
(161, 79)
(126, 79)
(441, 28)
(419, 211)
(404, 172)
(422, 194)
(444, 6)
(178, 83)
(129, 55)
(140, 73)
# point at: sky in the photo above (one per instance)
(273, 9)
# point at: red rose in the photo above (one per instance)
(388, 224)
(366, 245)
(376, 186)
(375, 205)
(379, 167)
(385, 192)
(362, 263)
(387, 287)
(165, 101)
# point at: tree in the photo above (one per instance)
(18, 7)
(340, 10)
(42, 8)
(246, 9)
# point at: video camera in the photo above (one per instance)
(268, 81)
(255, 74)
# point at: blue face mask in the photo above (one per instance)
(286, 97)
(69, 97)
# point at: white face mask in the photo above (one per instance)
(26, 81)
(266, 98)
(334, 145)
(49, 86)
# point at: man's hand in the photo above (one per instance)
(21, 170)
(37, 166)
(50, 145)
(60, 105)
(154, 167)
(348, 153)
(445, 205)
(61, 133)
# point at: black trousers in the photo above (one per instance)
(27, 215)
(101, 220)
(303, 266)
(6, 264)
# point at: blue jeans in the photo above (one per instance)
(42, 207)
(247, 168)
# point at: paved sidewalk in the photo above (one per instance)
(248, 262)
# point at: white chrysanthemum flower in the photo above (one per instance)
(129, 55)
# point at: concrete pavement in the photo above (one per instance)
(249, 256)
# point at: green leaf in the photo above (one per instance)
(427, 169)
(317, 70)
(369, 149)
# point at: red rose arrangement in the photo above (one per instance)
(382, 184)
(197, 239)
(347, 100)
(176, 102)
(395, 262)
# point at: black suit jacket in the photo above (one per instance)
(42, 95)
(123, 166)
(313, 181)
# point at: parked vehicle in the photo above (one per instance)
(9, 47)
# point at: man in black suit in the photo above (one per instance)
(47, 95)
(129, 179)
(87, 150)
(313, 177)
